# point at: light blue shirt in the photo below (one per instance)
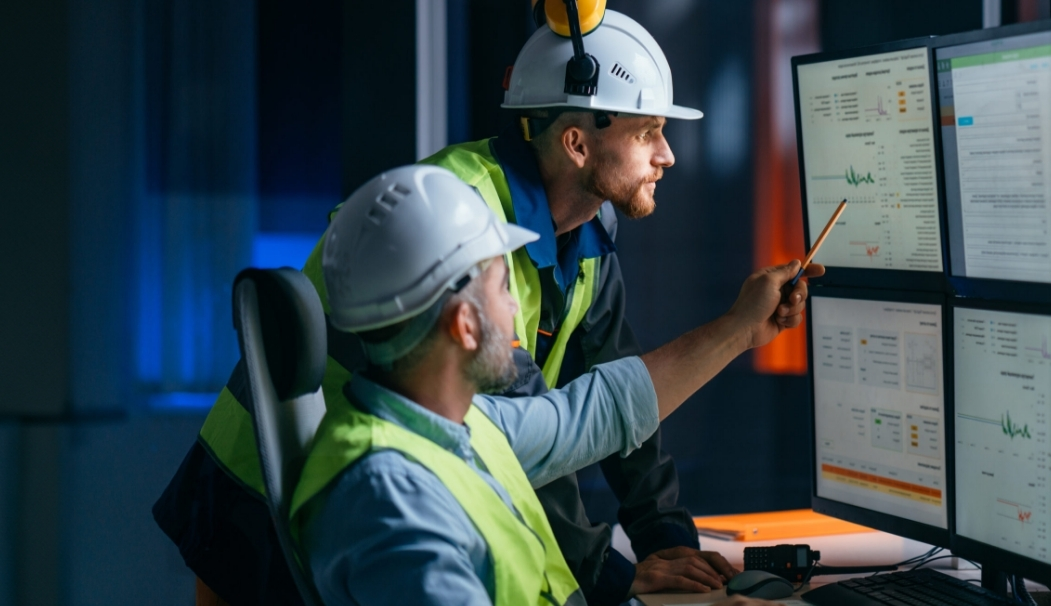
(391, 533)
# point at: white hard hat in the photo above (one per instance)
(634, 77)
(403, 240)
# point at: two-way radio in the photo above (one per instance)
(797, 563)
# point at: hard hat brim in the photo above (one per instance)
(517, 237)
(677, 112)
(683, 113)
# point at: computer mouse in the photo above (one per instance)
(759, 584)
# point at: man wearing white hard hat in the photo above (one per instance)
(589, 140)
(417, 487)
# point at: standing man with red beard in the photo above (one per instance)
(571, 160)
(589, 140)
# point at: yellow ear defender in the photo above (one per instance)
(574, 19)
(553, 12)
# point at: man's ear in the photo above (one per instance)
(464, 327)
(575, 146)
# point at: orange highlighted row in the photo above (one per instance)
(882, 481)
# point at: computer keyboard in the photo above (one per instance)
(914, 588)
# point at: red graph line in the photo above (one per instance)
(1023, 516)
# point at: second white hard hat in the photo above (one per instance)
(634, 76)
(403, 240)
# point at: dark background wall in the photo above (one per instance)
(149, 149)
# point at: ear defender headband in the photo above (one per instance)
(574, 20)
(564, 18)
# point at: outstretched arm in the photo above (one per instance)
(761, 312)
(610, 409)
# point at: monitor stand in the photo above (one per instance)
(994, 580)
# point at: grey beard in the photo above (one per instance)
(492, 370)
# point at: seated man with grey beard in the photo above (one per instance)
(419, 490)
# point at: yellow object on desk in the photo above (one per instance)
(774, 525)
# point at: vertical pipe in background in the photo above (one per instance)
(991, 13)
(431, 63)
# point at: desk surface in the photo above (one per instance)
(863, 549)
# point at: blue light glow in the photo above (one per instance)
(282, 249)
(183, 401)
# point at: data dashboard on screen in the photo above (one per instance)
(995, 108)
(867, 133)
(879, 406)
(1003, 380)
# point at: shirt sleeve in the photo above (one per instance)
(390, 533)
(610, 409)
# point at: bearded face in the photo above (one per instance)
(630, 193)
(492, 370)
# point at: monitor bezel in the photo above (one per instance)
(963, 286)
(968, 548)
(885, 522)
(932, 281)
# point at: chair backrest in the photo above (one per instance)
(281, 330)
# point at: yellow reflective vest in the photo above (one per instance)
(528, 567)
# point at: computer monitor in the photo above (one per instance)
(879, 410)
(1002, 376)
(866, 133)
(994, 97)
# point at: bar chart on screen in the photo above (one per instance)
(878, 406)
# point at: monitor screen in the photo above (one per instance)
(1003, 381)
(995, 105)
(879, 407)
(867, 135)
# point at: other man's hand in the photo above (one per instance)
(681, 569)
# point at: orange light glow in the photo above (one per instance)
(784, 28)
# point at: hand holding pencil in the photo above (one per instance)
(791, 297)
(777, 289)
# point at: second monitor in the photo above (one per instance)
(1003, 382)
(879, 411)
(994, 90)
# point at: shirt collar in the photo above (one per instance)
(403, 412)
(531, 209)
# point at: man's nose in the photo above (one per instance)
(664, 157)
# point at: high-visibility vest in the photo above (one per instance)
(528, 567)
(475, 163)
(227, 432)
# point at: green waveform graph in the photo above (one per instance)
(856, 179)
(1012, 430)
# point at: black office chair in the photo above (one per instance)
(281, 330)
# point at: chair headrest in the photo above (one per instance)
(292, 322)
